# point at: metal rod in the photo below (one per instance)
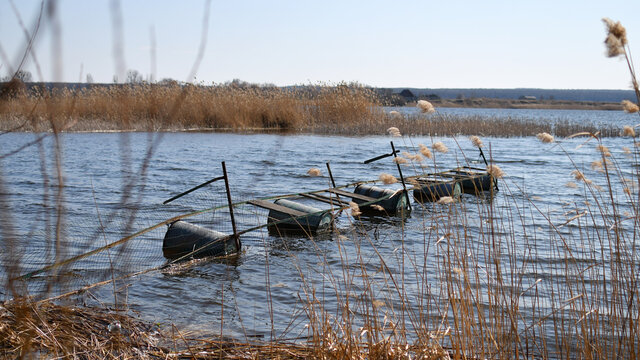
(483, 158)
(404, 186)
(233, 220)
(193, 189)
(333, 183)
(381, 157)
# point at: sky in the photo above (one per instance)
(552, 44)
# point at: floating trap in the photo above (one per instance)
(183, 238)
(290, 216)
(391, 201)
(432, 189)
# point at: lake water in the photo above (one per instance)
(597, 118)
(110, 192)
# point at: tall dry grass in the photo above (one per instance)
(350, 109)
(151, 107)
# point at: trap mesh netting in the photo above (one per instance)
(64, 250)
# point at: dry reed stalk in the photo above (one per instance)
(27, 328)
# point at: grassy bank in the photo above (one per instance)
(525, 104)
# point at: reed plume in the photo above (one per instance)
(545, 137)
(629, 106)
(425, 151)
(388, 178)
(412, 157)
(355, 209)
(395, 115)
(394, 131)
(476, 141)
(440, 147)
(313, 172)
(579, 176)
(446, 200)
(400, 160)
(628, 131)
(426, 107)
(616, 37)
(604, 150)
(495, 171)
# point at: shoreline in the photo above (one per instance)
(494, 103)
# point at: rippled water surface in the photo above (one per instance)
(602, 118)
(263, 291)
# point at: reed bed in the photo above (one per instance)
(149, 107)
(349, 109)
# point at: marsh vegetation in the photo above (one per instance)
(504, 276)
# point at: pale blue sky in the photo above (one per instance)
(453, 44)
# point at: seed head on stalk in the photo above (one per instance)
(616, 38)
(629, 106)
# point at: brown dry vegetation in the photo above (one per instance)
(349, 109)
(146, 107)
